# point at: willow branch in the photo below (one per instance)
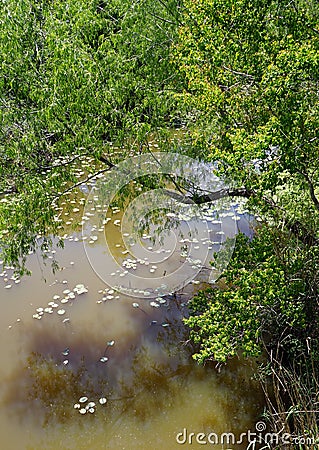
(74, 186)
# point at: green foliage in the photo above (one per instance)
(78, 76)
(270, 297)
(251, 71)
(75, 77)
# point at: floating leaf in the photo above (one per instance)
(154, 304)
(104, 359)
(81, 291)
(36, 316)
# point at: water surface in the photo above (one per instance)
(70, 335)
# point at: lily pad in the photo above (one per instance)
(82, 291)
(154, 304)
(104, 359)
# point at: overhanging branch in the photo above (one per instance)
(188, 197)
(211, 197)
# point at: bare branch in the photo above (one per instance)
(167, 174)
(90, 177)
(311, 187)
(11, 190)
(66, 163)
(188, 197)
(162, 19)
(242, 74)
(53, 166)
(170, 11)
(211, 197)
(106, 161)
(103, 159)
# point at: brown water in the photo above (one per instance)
(133, 362)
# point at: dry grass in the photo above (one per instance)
(292, 397)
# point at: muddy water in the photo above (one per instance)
(68, 336)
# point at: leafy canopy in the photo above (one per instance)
(269, 298)
(76, 76)
(251, 71)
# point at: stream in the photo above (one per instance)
(91, 360)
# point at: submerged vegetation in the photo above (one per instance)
(80, 78)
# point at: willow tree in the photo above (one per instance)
(76, 76)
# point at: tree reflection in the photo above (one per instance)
(141, 380)
(56, 388)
